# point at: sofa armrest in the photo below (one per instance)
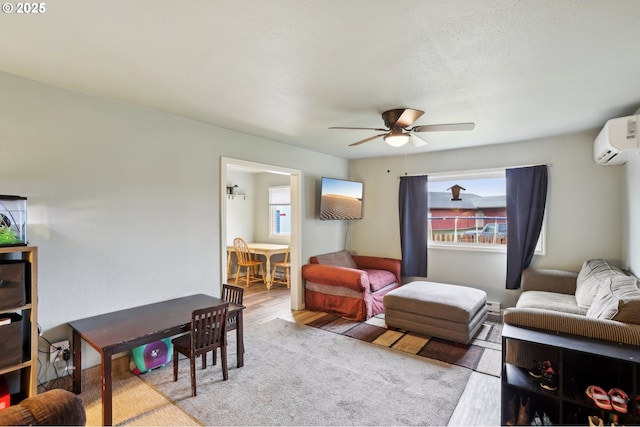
(575, 324)
(379, 263)
(54, 407)
(332, 275)
(560, 281)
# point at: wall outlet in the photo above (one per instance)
(54, 353)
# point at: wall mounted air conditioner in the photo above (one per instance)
(617, 142)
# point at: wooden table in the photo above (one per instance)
(265, 249)
(123, 330)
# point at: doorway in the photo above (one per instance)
(295, 180)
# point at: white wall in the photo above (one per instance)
(631, 217)
(583, 214)
(240, 209)
(124, 203)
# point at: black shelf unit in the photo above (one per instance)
(579, 363)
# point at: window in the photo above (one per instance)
(280, 211)
(478, 220)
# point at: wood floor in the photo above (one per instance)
(479, 404)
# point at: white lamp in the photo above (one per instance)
(396, 138)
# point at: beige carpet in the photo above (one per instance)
(135, 403)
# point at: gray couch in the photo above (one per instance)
(601, 301)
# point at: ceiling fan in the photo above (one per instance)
(398, 131)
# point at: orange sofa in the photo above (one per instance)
(351, 286)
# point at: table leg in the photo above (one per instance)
(268, 277)
(228, 264)
(77, 363)
(240, 340)
(107, 403)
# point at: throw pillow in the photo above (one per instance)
(618, 299)
(604, 305)
(340, 259)
(628, 295)
(594, 272)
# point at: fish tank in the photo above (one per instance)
(13, 221)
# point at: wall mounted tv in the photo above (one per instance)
(340, 199)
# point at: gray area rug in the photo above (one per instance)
(299, 375)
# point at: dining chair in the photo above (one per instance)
(245, 259)
(208, 333)
(285, 265)
(235, 295)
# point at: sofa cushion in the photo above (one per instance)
(379, 279)
(340, 259)
(618, 299)
(594, 273)
(545, 300)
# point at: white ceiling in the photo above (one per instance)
(286, 70)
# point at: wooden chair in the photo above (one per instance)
(285, 265)
(245, 259)
(235, 295)
(208, 333)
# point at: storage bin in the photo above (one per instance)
(12, 284)
(11, 339)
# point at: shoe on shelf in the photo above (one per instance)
(512, 411)
(545, 420)
(523, 411)
(595, 421)
(536, 421)
(538, 368)
(619, 400)
(600, 397)
(549, 380)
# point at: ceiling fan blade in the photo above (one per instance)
(367, 139)
(444, 127)
(408, 117)
(341, 127)
(416, 141)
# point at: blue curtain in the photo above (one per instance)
(526, 199)
(414, 211)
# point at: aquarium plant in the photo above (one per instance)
(7, 235)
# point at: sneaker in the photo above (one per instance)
(538, 368)
(536, 421)
(549, 380)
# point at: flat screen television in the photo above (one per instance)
(340, 199)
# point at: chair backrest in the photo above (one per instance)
(242, 250)
(234, 294)
(208, 327)
(286, 255)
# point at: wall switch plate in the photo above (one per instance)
(54, 353)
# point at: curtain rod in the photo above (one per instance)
(476, 171)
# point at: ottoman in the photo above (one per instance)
(451, 312)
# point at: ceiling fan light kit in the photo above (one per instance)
(396, 138)
(398, 133)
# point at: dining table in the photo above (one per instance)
(265, 249)
(123, 330)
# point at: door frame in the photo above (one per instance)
(295, 181)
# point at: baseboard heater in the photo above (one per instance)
(493, 307)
